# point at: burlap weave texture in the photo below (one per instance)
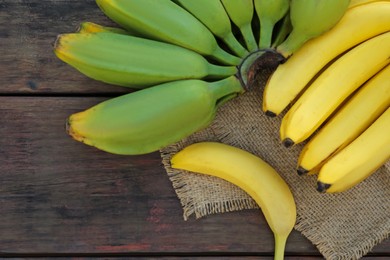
(342, 226)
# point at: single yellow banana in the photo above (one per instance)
(372, 99)
(213, 15)
(332, 87)
(130, 61)
(359, 159)
(250, 173)
(166, 21)
(241, 14)
(290, 78)
(309, 19)
(269, 13)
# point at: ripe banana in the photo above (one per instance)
(372, 99)
(166, 21)
(309, 19)
(241, 14)
(250, 173)
(290, 78)
(134, 62)
(333, 87)
(213, 15)
(359, 159)
(354, 3)
(149, 119)
(269, 13)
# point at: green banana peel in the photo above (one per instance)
(150, 119)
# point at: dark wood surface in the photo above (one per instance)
(59, 197)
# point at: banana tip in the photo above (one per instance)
(322, 187)
(288, 142)
(301, 171)
(270, 113)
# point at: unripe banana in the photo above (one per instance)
(283, 31)
(134, 62)
(89, 27)
(269, 13)
(212, 14)
(309, 19)
(150, 119)
(371, 100)
(358, 24)
(166, 21)
(333, 87)
(241, 14)
(359, 159)
(250, 173)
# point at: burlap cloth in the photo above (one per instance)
(342, 226)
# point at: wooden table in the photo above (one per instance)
(59, 197)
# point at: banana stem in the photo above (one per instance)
(217, 71)
(291, 44)
(249, 38)
(285, 29)
(280, 244)
(266, 29)
(235, 45)
(222, 56)
(229, 87)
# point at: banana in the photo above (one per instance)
(166, 21)
(282, 31)
(89, 27)
(213, 15)
(350, 121)
(309, 19)
(290, 78)
(332, 88)
(250, 173)
(241, 14)
(269, 13)
(147, 120)
(134, 62)
(354, 3)
(359, 159)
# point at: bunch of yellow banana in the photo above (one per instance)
(334, 87)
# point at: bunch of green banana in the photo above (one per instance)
(150, 119)
(251, 174)
(131, 61)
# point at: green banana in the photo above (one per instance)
(269, 13)
(89, 27)
(309, 19)
(283, 29)
(147, 120)
(213, 15)
(134, 62)
(166, 21)
(241, 14)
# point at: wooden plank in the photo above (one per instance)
(60, 196)
(28, 30)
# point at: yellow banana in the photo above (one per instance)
(166, 21)
(89, 27)
(269, 13)
(290, 78)
(250, 173)
(241, 14)
(212, 14)
(359, 159)
(150, 119)
(134, 62)
(309, 19)
(354, 3)
(372, 99)
(333, 87)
